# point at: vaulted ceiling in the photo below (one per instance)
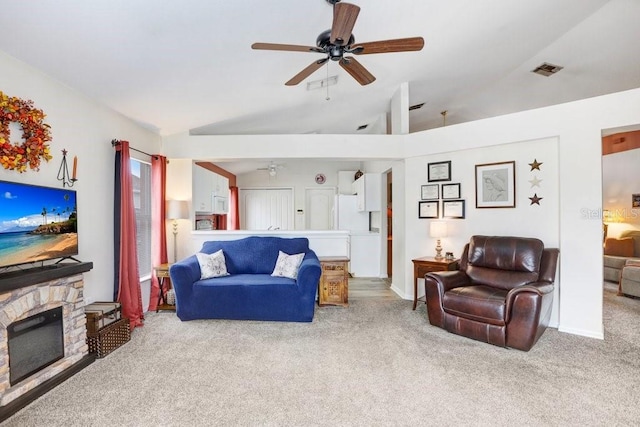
(188, 65)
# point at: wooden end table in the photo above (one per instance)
(333, 288)
(162, 273)
(428, 264)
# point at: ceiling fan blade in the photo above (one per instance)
(344, 19)
(286, 47)
(388, 46)
(357, 71)
(306, 72)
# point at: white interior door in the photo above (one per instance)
(319, 207)
(264, 209)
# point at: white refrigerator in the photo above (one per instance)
(347, 216)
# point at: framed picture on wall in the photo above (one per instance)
(430, 192)
(635, 200)
(439, 171)
(451, 191)
(496, 185)
(453, 209)
(428, 209)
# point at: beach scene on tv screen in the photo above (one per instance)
(36, 223)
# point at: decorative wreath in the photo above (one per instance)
(35, 133)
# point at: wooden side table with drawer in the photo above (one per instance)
(428, 264)
(333, 288)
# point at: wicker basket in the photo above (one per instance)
(109, 338)
(171, 297)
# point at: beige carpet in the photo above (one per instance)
(374, 363)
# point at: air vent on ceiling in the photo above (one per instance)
(361, 127)
(416, 107)
(547, 69)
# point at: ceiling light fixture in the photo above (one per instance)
(319, 84)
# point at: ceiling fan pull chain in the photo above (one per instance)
(327, 98)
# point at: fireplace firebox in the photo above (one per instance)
(35, 343)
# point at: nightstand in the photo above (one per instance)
(333, 288)
(428, 264)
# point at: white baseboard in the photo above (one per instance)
(584, 333)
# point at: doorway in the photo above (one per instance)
(319, 207)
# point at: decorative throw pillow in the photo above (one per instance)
(213, 265)
(287, 265)
(619, 247)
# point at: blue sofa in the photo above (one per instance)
(249, 292)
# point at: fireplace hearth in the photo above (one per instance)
(32, 317)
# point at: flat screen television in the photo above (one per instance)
(36, 223)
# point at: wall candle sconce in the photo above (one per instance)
(63, 172)
(438, 229)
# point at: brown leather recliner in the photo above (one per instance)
(501, 294)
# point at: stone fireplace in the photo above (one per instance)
(25, 301)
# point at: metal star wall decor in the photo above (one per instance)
(535, 182)
(535, 200)
(535, 164)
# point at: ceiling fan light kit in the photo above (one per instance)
(338, 41)
(320, 84)
(272, 169)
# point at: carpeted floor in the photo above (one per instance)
(374, 363)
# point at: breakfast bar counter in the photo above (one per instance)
(322, 242)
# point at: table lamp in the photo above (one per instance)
(176, 209)
(438, 230)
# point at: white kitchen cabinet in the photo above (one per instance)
(345, 181)
(202, 195)
(210, 191)
(368, 188)
(220, 185)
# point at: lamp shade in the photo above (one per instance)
(438, 229)
(177, 209)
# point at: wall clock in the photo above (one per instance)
(320, 178)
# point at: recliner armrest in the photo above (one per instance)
(436, 284)
(634, 262)
(541, 291)
(540, 288)
(446, 280)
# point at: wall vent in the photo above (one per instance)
(547, 69)
(416, 107)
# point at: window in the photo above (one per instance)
(141, 181)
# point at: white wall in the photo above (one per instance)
(526, 220)
(85, 129)
(575, 126)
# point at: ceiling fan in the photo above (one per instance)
(338, 41)
(272, 168)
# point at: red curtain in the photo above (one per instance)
(158, 225)
(127, 274)
(233, 219)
